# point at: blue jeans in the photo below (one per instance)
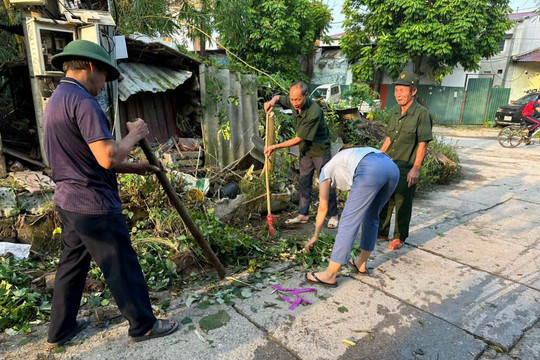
(375, 180)
(307, 166)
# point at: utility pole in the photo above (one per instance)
(510, 52)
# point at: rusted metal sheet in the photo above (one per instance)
(137, 78)
(532, 56)
(158, 110)
(229, 120)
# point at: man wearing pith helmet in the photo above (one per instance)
(85, 158)
(408, 135)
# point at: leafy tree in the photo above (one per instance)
(197, 13)
(145, 16)
(387, 34)
(9, 49)
(269, 34)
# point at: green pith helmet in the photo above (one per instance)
(407, 78)
(86, 50)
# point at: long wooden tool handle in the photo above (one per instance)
(268, 196)
(173, 196)
(267, 165)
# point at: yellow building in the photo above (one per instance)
(525, 74)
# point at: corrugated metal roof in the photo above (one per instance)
(533, 56)
(229, 99)
(520, 16)
(148, 78)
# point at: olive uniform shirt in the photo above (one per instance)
(311, 127)
(406, 132)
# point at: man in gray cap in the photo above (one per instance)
(408, 135)
(84, 159)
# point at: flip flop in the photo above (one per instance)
(333, 224)
(81, 325)
(295, 221)
(158, 330)
(395, 244)
(319, 281)
(361, 273)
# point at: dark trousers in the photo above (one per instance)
(401, 200)
(307, 166)
(104, 238)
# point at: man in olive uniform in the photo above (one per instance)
(408, 135)
(314, 139)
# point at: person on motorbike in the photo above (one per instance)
(531, 116)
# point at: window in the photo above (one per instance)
(334, 90)
(319, 93)
(526, 99)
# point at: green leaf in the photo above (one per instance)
(191, 299)
(171, 266)
(186, 320)
(215, 321)
(246, 293)
(203, 305)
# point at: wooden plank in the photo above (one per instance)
(3, 170)
(159, 116)
(122, 111)
(21, 156)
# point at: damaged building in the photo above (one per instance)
(210, 115)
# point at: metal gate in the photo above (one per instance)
(499, 97)
(451, 105)
(477, 96)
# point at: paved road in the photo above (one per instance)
(466, 286)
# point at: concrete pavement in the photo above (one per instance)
(466, 286)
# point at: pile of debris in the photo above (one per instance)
(233, 191)
(27, 217)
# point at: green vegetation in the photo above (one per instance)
(145, 17)
(358, 94)
(490, 123)
(9, 49)
(270, 34)
(20, 305)
(441, 165)
(387, 34)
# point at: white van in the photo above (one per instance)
(330, 93)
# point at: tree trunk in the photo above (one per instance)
(417, 64)
(377, 80)
(309, 64)
(202, 45)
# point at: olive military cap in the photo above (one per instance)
(86, 50)
(407, 78)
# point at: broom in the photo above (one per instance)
(270, 219)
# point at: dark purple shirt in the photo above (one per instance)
(73, 119)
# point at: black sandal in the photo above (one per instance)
(81, 325)
(158, 330)
(361, 273)
(319, 281)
